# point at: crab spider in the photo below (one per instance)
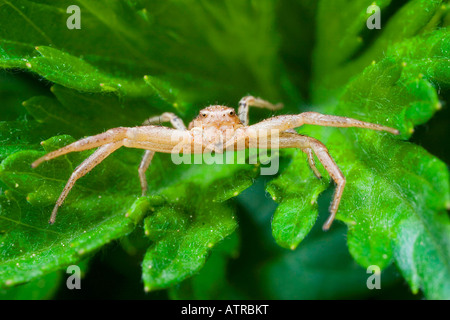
(215, 128)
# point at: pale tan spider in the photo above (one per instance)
(216, 128)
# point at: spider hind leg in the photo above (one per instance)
(310, 145)
(87, 165)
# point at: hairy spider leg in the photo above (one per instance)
(164, 139)
(91, 142)
(177, 123)
(87, 165)
(311, 162)
(286, 122)
(154, 138)
(288, 139)
(143, 166)
(309, 145)
(249, 101)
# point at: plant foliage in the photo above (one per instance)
(135, 59)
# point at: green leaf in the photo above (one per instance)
(187, 228)
(94, 113)
(117, 76)
(396, 193)
(182, 246)
(297, 210)
(211, 282)
(183, 242)
(30, 247)
(103, 207)
(323, 268)
(345, 46)
(39, 289)
(96, 213)
(135, 59)
(132, 48)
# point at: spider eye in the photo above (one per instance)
(204, 115)
(231, 113)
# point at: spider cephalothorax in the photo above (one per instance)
(220, 117)
(214, 125)
(216, 128)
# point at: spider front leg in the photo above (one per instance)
(250, 101)
(177, 123)
(154, 138)
(107, 142)
(174, 120)
(286, 122)
(109, 136)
